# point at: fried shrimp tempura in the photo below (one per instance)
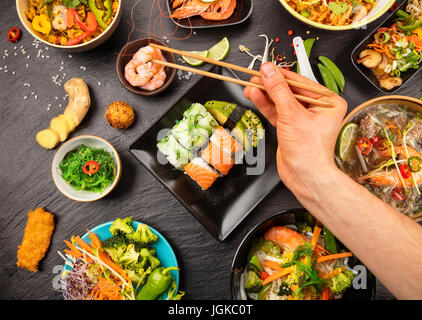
(36, 240)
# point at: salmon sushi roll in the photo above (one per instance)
(216, 157)
(222, 139)
(201, 172)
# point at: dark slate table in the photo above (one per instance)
(30, 96)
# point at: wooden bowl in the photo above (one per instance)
(412, 103)
(22, 6)
(126, 55)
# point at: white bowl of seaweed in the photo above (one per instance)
(86, 168)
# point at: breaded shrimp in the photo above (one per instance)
(36, 240)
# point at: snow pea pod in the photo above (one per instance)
(327, 78)
(329, 241)
(335, 72)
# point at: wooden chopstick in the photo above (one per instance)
(322, 91)
(237, 81)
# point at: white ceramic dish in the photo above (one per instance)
(22, 6)
(71, 145)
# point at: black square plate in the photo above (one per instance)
(231, 198)
(242, 12)
(368, 74)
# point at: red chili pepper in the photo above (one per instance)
(78, 39)
(383, 29)
(326, 294)
(405, 170)
(264, 275)
(277, 40)
(364, 145)
(91, 167)
(393, 7)
(398, 194)
(91, 21)
(279, 58)
(13, 34)
(290, 32)
(375, 140)
(287, 68)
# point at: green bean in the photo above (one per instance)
(327, 78)
(335, 72)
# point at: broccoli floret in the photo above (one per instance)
(121, 226)
(116, 253)
(267, 246)
(137, 274)
(114, 242)
(302, 227)
(253, 284)
(284, 290)
(130, 256)
(142, 237)
(147, 257)
(342, 281)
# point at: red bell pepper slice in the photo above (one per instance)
(91, 21)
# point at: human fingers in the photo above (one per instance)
(263, 103)
(278, 90)
(298, 78)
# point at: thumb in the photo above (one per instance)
(277, 88)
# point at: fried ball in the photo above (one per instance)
(36, 239)
(120, 115)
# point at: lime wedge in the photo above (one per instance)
(346, 141)
(220, 50)
(195, 62)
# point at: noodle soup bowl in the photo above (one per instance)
(412, 104)
(381, 6)
(71, 145)
(288, 218)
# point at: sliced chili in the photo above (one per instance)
(91, 167)
(13, 34)
(415, 164)
(398, 194)
(405, 171)
(279, 58)
(264, 275)
(364, 145)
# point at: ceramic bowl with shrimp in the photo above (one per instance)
(136, 71)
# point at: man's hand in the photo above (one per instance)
(306, 134)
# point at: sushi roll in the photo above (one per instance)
(188, 136)
(216, 157)
(201, 172)
(199, 118)
(222, 139)
(174, 152)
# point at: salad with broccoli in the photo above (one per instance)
(122, 267)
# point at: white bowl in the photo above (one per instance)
(71, 145)
(22, 6)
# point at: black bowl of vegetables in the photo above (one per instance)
(281, 259)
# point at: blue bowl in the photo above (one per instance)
(164, 251)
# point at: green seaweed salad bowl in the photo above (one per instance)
(86, 168)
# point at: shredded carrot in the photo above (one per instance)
(277, 275)
(95, 241)
(381, 48)
(74, 251)
(333, 273)
(83, 244)
(272, 265)
(315, 236)
(106, 289)
(334, 256)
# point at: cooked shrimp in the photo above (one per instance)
(289, 239)
(393, 177)
(140, 70)
(284, 237)
(190, 8)
(156, 81)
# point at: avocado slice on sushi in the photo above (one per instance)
(249, 122)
